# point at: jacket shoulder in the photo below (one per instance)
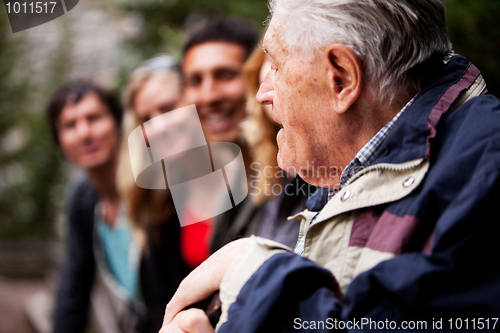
(82, 198)
(476, 121)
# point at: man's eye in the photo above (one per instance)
(68, 125)
(192, 81)
(166, 108)
(225, 75)
(95, 117)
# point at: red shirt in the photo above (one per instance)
(195, 240)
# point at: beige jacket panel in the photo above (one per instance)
(332, 228)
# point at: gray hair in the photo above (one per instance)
(389, 36)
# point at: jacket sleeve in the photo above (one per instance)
(458, 280)
(77, 273)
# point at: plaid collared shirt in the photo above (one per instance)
(362, 160)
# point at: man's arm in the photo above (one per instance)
(202, 282)
(77, 273)
(228, 269)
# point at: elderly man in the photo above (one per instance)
(370, 88)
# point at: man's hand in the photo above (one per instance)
(192, 321)
(197, 286)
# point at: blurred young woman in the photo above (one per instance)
(153, 89)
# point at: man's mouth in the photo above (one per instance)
(219, 122)
(217, 118)
(90, 149)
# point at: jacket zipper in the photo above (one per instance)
(384, 166)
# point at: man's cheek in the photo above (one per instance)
(285, 156)
(189, 95)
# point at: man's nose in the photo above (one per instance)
(210, 92)
(83, 129)
(266, 90)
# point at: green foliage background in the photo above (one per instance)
(29, 163)
(474, 30)
(165, 20)
(31, 174)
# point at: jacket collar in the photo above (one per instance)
(412, 135)
(403, 159)
(409, 142)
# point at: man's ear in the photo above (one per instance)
(346, 76)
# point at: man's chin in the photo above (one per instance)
(317, 179)
(287, 164)
(228, 136)
(94, 164)
(309, 175)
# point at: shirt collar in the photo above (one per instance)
(366, 154)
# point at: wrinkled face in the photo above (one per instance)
(213, 81)
(298, 89)
(157, 96)
(87, 133)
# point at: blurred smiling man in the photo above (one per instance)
(213, 58)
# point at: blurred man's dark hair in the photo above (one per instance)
(72, 93)
(223, 29)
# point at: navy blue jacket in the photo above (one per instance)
(439, 238)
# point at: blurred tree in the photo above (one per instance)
(29, 163)
(475, 33)
(165, 20)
